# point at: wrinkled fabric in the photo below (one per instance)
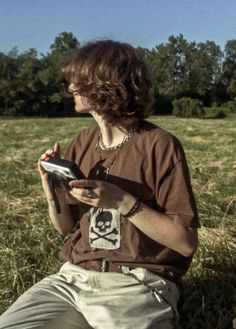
(152, 167)
(76, 298)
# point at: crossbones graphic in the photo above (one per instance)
(104, 236)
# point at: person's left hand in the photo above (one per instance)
(100, 194)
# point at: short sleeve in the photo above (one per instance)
(174, 194)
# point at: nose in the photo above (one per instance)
(73, 89)
(71, 86)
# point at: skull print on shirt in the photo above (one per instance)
(104, 229)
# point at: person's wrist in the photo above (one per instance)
(60, 193)
(129, 205)
(50, 201)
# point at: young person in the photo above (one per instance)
(131, 216)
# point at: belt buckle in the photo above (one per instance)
(104, 266)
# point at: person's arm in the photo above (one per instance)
(174, 223)
(161, 228)
(63, 221)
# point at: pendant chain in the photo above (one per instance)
(127, 136)
(100, 145)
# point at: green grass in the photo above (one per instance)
(29, 245)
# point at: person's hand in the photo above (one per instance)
(44, 174)
(101, 194)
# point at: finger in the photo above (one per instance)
(85, 193)
(84, 183)
(39, 165)
(40, 168)
(42, 171)
(44, 156)
(47, 153)
(83, 199)
(57, 149)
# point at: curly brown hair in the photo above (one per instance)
(114, 79)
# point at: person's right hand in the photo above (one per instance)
(45, 175)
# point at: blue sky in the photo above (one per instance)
(147, 23)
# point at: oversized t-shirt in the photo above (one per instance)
(152, 166)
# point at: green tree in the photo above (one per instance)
(180, 68)
(167, 63)
(206, 70)
(54, 101)
(30, 85)
(229, 68)
(8, 81)
(64, 42)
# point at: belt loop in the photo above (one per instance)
(104, 266)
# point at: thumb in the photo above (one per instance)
(57, 149)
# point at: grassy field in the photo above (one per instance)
(29, 245)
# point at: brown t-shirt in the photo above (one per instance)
(151, 166)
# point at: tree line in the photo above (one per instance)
(33, 85)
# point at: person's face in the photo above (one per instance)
(81, 103)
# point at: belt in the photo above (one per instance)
(101, 265)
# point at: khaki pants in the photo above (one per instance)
(76, 298)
